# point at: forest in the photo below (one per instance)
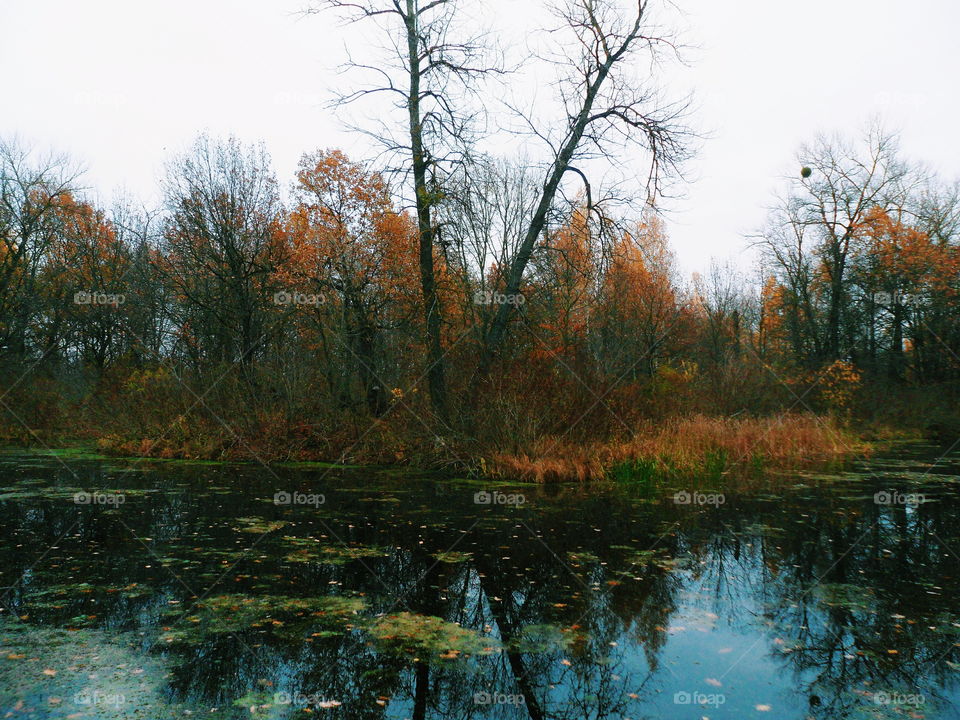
(240, 320)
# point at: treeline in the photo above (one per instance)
(240, 319)
(862, 264)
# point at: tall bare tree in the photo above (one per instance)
(430, 66)
(608, 111)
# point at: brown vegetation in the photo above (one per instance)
(688, 446)
(233, 325)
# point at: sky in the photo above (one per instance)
(122, 86)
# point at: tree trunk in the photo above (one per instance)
(436, 377)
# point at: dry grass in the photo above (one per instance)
(688, 446)
(716, 449)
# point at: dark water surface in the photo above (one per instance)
(402, 597)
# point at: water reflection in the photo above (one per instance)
(402, 598)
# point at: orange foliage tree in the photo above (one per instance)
(85, 284)
(639, 309)
(353, 260)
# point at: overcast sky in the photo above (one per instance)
(121, 85)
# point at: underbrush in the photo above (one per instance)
(153, 414)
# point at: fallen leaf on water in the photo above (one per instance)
(763, 708)
(714, 682)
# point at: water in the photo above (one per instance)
(401, 597)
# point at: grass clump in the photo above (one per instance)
(703, 447)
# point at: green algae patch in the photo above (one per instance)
(427, 637)
(261, 526)
(41, 493)
(197, 556)
(310, 550)
(280, 615)
(89, 674)
(659, 558)
(452, 556)
(56, 596)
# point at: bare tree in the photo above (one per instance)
(223, 242)
(607, 111)
(31, 190)
(813, 230)
(430, 67)
(482, 218)
(148, 314)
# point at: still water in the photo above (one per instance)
(171, 590)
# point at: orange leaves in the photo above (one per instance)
(331, 174)
(86, 247)
(897, 251)
(899, 258)
(638, 294)
(839, 383)
(345, 235)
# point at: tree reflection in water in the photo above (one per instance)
(580, 604)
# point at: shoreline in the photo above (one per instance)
(696, 447)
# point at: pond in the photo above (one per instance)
(160, 590)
